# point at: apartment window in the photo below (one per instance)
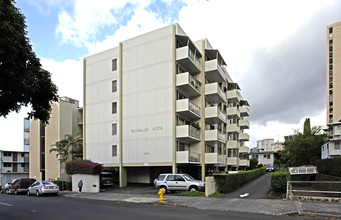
(23, 165)
(114, 150)
(337, 146)
(114, 86)
(114, 64)
(7, 154)
(114, 129)
(114, 107)
(264, 156)
(7, 165)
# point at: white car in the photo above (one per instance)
(178, 182)
(42, 188)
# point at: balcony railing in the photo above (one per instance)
(187, 157)
(194, 108)
(194, 58)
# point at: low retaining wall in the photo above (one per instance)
(90, 183)
(210, 186)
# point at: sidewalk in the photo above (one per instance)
(260, 206)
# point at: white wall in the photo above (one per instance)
(99, 98)
(148, 98)
(90, 183)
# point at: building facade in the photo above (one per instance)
(13, 164)
(65, 118)
(160, 102)
(332, 147)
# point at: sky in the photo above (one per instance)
(274, 49)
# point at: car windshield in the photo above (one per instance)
(188, 177)
(46, 183)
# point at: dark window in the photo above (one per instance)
(7, 154)
(331, 30)
(170, 178)
(7, 165)
(114, 64)
(114, 86)
(114, 150)
(114, 107)
(114, 129)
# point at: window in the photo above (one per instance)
(264, 156)
(22, 165)
(114, 107)
(114, 150)
(114, 86)
(337, 146)
(268, 156)
(114, 129)
(114, 64)
(7, 154)
(7, 165)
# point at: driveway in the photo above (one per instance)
(257, 188)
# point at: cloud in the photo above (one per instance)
(68, 76)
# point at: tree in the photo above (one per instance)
(304, 148)
(253, 163)
(23, 81)
(68, 148)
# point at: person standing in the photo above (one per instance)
(80, 185)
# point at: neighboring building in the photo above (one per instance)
(160, 102)
(332, 147)
(266, 151)
(65, 118)
(26, 134)
(13, 164)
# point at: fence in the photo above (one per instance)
(313, 189)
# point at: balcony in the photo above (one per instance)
(244, 111)
(232, 128)
(188, 60)
(232, 144)
(215, 136)
(233, 161)
(214, 94)
(187, 134)
(80, 121)
(233, 112)
(244, 137)
(214, 116)
(214, 71)
(187, 157)
(233, 96)
(215, 158)
(188, 85)
(244, 163)
(187, 110)
(244, 149)
(244, 124)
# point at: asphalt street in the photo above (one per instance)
(53, 208)
(257, 189)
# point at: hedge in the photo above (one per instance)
(330, 166)
(67, 185)
(279, 180)
(83, 167)
(229, 182)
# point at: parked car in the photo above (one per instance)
(178, 182)
(42, 188)
(270, 168)
(20, 185)
(107, 179)
(5, 188)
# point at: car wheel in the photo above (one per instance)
(193, 189)
(164, 189)
(7, 191)
(37, 193)
(28, 192)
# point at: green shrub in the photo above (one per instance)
(83, 167)
(229, 182)
(67, 185)
(330, 166)
(279, 180)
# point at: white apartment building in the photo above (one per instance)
(65, 118)
(13, 164)
(160, 102)
(332, 147)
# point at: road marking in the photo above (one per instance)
(1, 203)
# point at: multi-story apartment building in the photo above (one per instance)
(13, 164)
(26, 134)
(332, 147)
(160, 102)
(266, 151)
(65, 118)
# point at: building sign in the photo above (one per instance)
(146, 129)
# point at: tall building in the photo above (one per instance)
(332, 147)
(160, 102)
(13, 164)
(26, 134)
(65, 118)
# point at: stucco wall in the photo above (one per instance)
(90, 183)
(210, 186)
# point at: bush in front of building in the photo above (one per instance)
(330, 166)
(83, 167)
(67, 185)
(228, 182)
(279, 180)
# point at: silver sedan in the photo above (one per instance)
(43, 187)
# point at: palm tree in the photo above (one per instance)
(68, 148)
